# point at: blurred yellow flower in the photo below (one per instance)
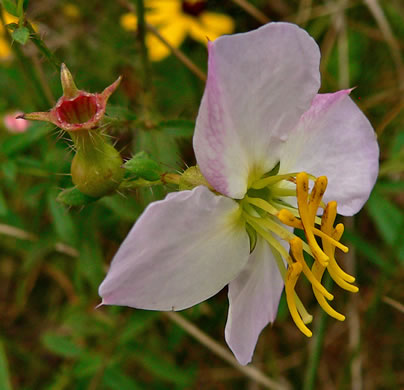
(71, 11)
(5, 49)
(175, 19)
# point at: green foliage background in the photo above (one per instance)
(52, 258)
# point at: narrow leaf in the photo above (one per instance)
(5, 382)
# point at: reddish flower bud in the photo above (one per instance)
(76, 109)
(97, 166)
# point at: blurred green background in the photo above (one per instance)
(53, 258)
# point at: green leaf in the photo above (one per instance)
(139, 322)
(10, 6)
(115, 379)
(90, 263)
(164, 369)
(388, 218)
(9, 170)
(161, 147)
(74, 197)
(62, 221)
(12, 26)
(3, 204)
(180, 128)
(88, 365)
(60, 345)
(21, 35)
(5, 382)
(119, 112)
(142, 166)
(368, 250)
(390, 186)
(125, 208)
(19, 142)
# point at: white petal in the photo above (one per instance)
(254, 297)
(335, 139)
(259, 84)
(181, 251)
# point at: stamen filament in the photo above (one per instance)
(283, 192)
(270, 180)
(292, 275)
(279, 230)
(297, 251)
(262, 204)
(272, 241)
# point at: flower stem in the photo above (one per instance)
(316, 346)
(141, 34)
(41, 46)
(30, 75)
(216, 348)
(252, 10)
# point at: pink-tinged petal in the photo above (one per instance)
(254, 297)
(335, 139)
(259, 84)
(181, 251)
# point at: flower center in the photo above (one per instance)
(78, 110)
(193, 7)
(267, 211)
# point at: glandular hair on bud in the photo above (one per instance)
(97, 166)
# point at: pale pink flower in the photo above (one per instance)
(14, 124)
(261, 126)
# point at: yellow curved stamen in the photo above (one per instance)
(318, 271)
(289, 219)
(296, 248)
(292, 275)
(302, 189)
(327, 222)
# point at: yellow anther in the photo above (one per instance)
(296, 248)
(316, 195)
(292, 275)
(302, 189)
(318, 271)
(289, 219)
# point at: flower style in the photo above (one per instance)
(175, 19)
(267, 146)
